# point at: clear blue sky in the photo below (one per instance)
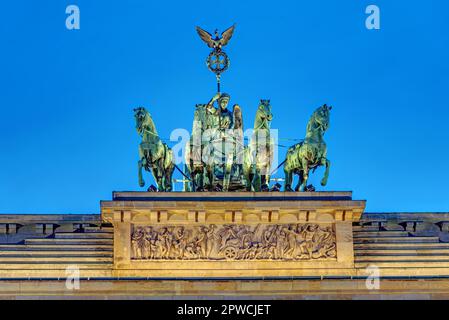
(67, 136)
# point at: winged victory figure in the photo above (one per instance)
(219, 41)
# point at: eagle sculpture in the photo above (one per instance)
(218, 42)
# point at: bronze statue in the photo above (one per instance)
(154, 155)
(258, 154)
(217, 61)
(216, 158)
(218, 42)
(310, 153)
(216, 142)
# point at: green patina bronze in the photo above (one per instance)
(216, 158)
(217, 61)
(216, 143)
(258, 155)
(310, 153)
(154, 155)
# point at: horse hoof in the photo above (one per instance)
(142, 184)
(152, 189)
(309, 188)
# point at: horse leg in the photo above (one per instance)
(193, 176)
(265, 177)
(167, 168)
(157, 174)
(245, 171)
(210, 176)
(163, 182)
(196, 176)
(298, 186)
(288, 180)
(256, 180)
(141, 164)
(305, 174)
(263, 181)
(193, 182)
(168, 178)
(191, 172)
(327, 163)
(199, 180)
(227, 174)
(250, 182)
(160, 181)
(248, 169)
(250, 178)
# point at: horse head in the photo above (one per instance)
(144, 122)
(264, 111)
(320, 119)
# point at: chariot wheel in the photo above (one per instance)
(230, 253)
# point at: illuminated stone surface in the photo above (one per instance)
(293, 245)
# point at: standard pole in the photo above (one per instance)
(218, 83)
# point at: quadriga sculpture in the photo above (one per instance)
(310, 153)
(154, 155)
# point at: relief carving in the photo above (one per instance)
(234, 242)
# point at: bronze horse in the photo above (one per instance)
(310, 153)
(154, 155)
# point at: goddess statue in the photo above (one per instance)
(212, 156)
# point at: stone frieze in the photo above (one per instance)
(235, 242)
